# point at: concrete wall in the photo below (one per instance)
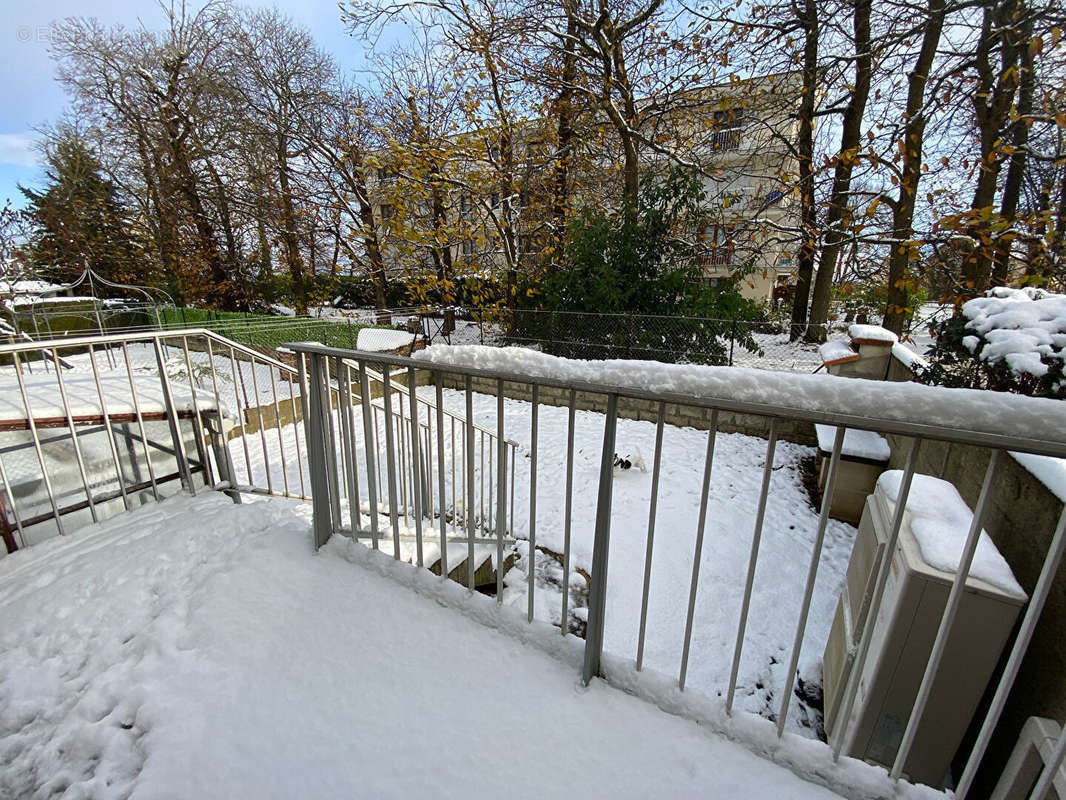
(1021, 520)
(628, 408)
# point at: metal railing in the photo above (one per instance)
(324, 448)
(95, 425)
(162, 410)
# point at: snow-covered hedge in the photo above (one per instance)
(1009, 340)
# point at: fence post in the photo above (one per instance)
(600, 547)
(316, 454)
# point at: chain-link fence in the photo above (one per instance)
(764, 344)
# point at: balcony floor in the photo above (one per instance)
(196, 648)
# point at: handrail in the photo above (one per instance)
(1049, 447)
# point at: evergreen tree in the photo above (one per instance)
(79, 220)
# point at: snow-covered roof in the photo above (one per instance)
(968, 409)
(940, 521)
(376, 340)
(28, 286)
(1019, 326)
(908, 357)
(857, 443)
(837, 351)
(872, 334)
(46, 402)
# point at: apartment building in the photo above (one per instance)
(739, 135)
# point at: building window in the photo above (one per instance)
(386, 176)
(466, 205)
(726, 129)
(386, 212)
(717, 247)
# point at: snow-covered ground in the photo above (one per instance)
(196, 649)
(785, 551)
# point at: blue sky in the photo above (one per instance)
(29, 95)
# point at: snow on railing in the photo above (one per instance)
(994, 421)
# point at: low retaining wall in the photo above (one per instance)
(631, 408)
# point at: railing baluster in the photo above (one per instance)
(481, 476)
(140, 423)
(31, 422)
(336, 486)
(440, 474)
(11, 499)
(401, 434)
(468, 452)
(958, 587)
(855, 677)
(296, 434)
(601, 547)
(74, 436)
(416, 465)
(235, 370)
(652, 510)
(369, 450)
(109, 431)
(1017, 653)
(501, 489)
(198, 420)
(697, 555)
(172, 418)
(812, 574)
(569, 505)
(455, 480)
(262, 428)
(390, 461)
(532, 561)
(1050, 770)
(347, 444)
(279, 427)
(768, 471)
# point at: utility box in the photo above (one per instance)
(905, 629)
(863, 458)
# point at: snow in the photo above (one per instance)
(940, 521)
(907, 357)
(857, 443)
(872, 333)
(1022, 327)
(46, 401)
(29, 286)
(967, 409)
(836, 350)
(1049, 471)
(383, 339)
(196, 648)
(788, 536)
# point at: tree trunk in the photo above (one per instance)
(564, 142)
(805, 159)
(1012, 185)
(900, 255)
(839, 213)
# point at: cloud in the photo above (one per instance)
(19, 149)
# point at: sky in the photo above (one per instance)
(29, 96)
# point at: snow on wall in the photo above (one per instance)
(967, 409)
(1019, 326)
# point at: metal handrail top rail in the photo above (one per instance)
(150, 335)
(1054, 447)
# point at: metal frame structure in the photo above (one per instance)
(917, 432)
